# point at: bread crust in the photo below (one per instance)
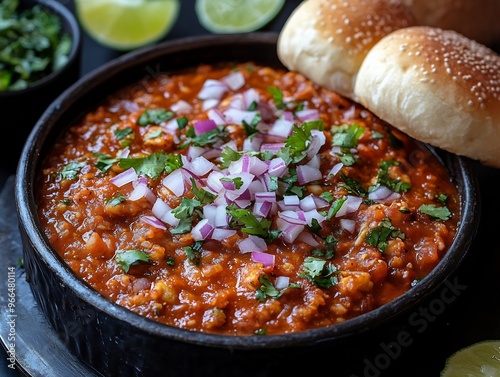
(327, 40)
(437, 86)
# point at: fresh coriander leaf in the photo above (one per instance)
(119, 198)
(440, 213)
(104, 162)
(153, 135)
(247, 221)
(238, 182)
(377, 135)
(319, 272)
(125, 259)
(203, 139)
(378, 236)
(203, 196)
(442, 198)
(71, 170)
(277, 97)
(334, 208)
(267, 289)
(352, 186)
(154, 116)
(347, 137)
(384, 178)
(182, 122)
(152, 165)
(193, 252)
(122, 133)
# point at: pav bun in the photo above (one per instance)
(476, 19)
(326, 40)
(437, 86)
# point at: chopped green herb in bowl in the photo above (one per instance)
(32, 45)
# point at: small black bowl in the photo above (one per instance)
(118, 342)
(21, 109)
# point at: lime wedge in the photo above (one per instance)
(236, 16)
(127, 24)
(481, 359)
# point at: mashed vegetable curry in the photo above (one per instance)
(241, 200)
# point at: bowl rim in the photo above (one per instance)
(74, 31)
(462, 167)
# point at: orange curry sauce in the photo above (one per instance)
(279, 248)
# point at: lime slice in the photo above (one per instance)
(236, 16)
(127, 24)
(478, 360)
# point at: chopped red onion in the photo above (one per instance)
(202, 230)
(347, 224)
(222, 234)
(335, 169)
(252, 243)
(281, 127)
(201, 166)
(383, 194)
(308, 238)
(124, 177)
(235, 80)
(212, 89)
(204, 126)
(289, 232)
(175, 182)
(265, 258)
(209, 103)
(306, 174)
(281, 282)
(153, 221)
(217, 117)
(236, 116)
(349, 206)
(181, 106)
(307, 114)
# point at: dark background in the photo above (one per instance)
(426, 336)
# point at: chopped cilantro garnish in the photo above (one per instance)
(246, 220)
(71, 170)
(319, 272)
(119, 198)
(347, 136)
(352, 186)
(154, 116)
(203, 139)
(378, 236)
(153, 135)
(187, 211)
(152, 165)
(32, 44)
(334, 208)
(182, 122)
(251, 128)
(440, 213)
(277, 97)
(104, 162)
(238, 182)
(297, 143)
(267, 289)
(193, 252)
(384, 179)
(122, 133)
(125, 259)
(442, 198)
(203, 196)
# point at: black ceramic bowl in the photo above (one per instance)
(118, 342)
(21, 109)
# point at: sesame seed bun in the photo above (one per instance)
(326, 40)
(476, 19)
(437, 86)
